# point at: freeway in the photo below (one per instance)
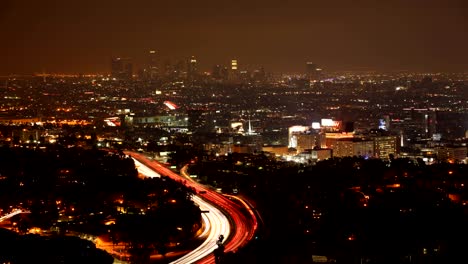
(13, 213)
(144, 171)
(215, 223)
(242, 226)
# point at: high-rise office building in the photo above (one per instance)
(192, 68)
(121, 68)
(450, 124)
(234, 70)
(116, 67)
(153, 69)
(234, 66)
(313, 72)
(179, 69)
(167, 68)
(418, 124)
(259, 75)
(220, 72)
(225, 73)
(216, 74)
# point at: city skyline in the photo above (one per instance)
(226, 132)
(82, 37)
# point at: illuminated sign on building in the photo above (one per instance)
(326, 122)
(382, 124)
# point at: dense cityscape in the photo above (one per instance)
(256, 132)
(325, 160)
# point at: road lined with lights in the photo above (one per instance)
(215, 223)
(242, 226)
(13, 213)
(145, 171)
(218, 224)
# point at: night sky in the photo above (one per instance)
(80, 36)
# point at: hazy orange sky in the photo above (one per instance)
(82, 35)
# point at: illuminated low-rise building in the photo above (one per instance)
(277, 150)
(452, 154)
(162, 120)
(321, 154)
(353, 147)
(308, 141)
(384, 146)
(332, 138)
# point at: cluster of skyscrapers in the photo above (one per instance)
(122, 68)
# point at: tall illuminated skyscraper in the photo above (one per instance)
(234, 66)
(121, 68)
(313, 72)
(153, 69)
(234, 70)
(192, 68)
(216, 73)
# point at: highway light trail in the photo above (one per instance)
(12, 213)
(145, 171)
(218, 225)
(214, 221)
(243, 225)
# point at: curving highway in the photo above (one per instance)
(240, 227)
(215, 222)
(218, 224)
(13, 213)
